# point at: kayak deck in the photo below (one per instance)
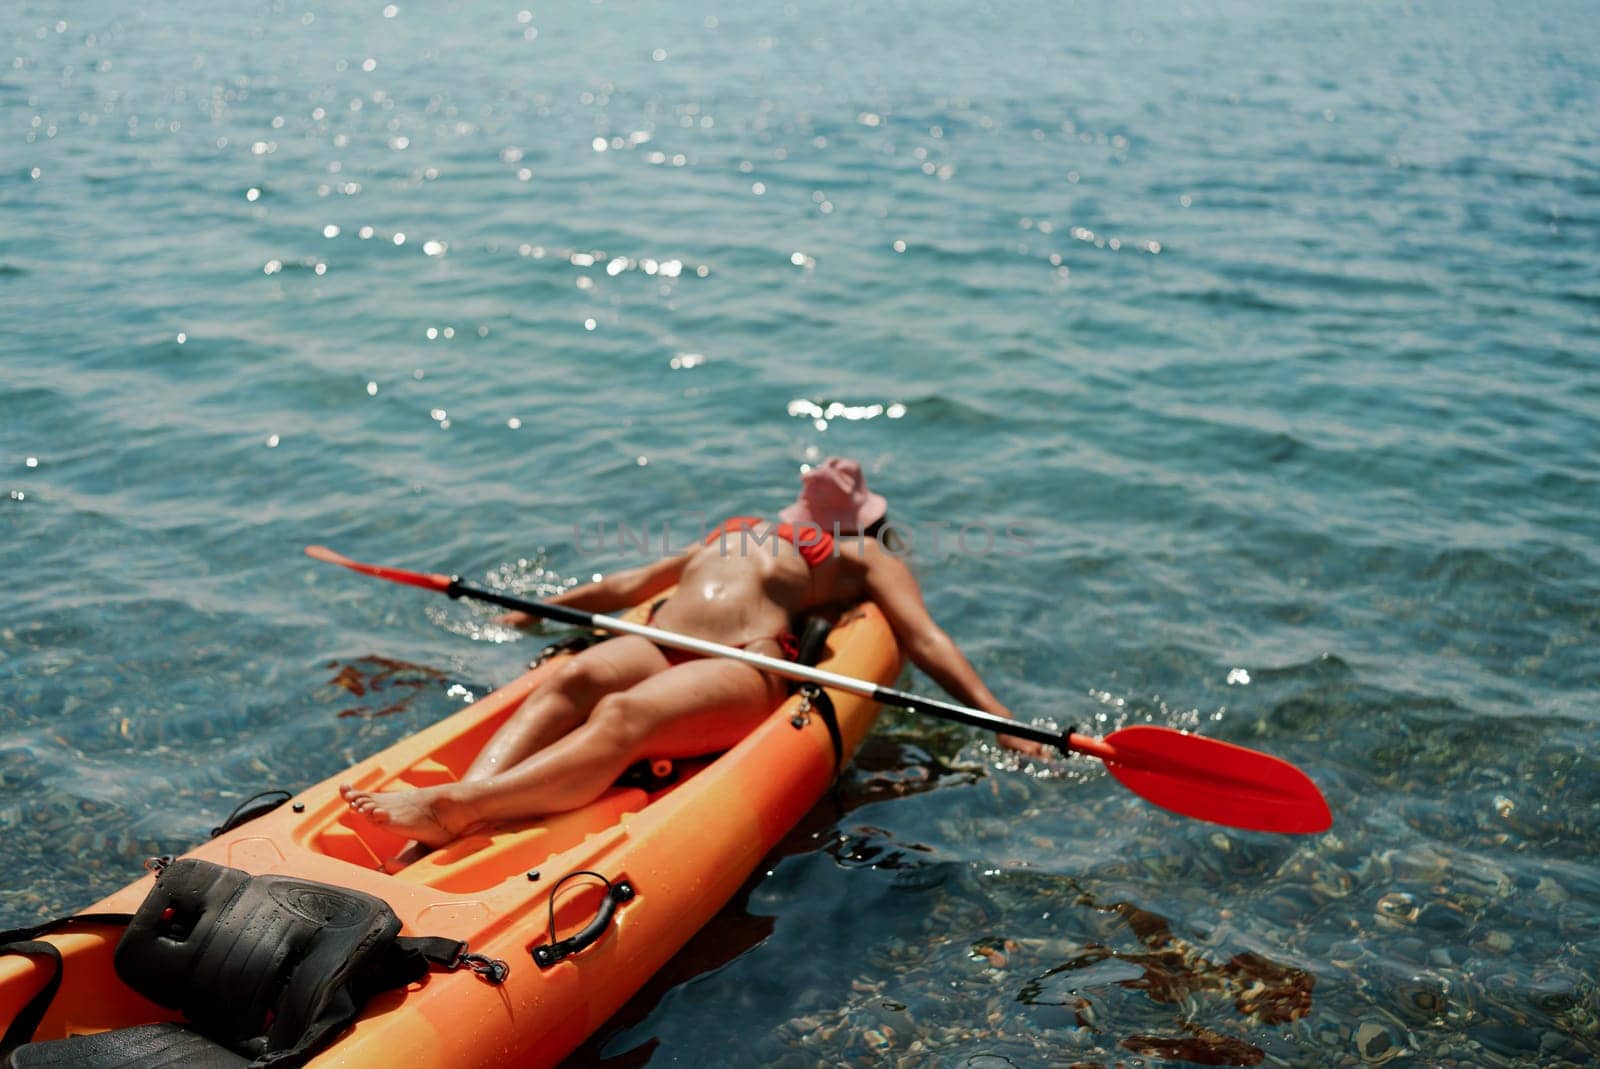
(685, 847)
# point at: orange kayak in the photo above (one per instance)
(682, 848)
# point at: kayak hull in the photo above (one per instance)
(684, 849)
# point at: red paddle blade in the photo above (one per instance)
(427, 581)
(1213, 780)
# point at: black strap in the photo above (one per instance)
(22, 1028)
(256, 805)
(34, 931)
(26, 941)
(446, 953)
(451, 954)
(822, 702)
(813, 644)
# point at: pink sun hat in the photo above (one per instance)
(835, 492)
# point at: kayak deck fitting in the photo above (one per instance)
(664, 857)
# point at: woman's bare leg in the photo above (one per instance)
(560, 704)
(693, 708)
(566, 699)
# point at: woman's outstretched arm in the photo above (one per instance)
(892, 586)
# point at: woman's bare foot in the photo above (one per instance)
(427, 814)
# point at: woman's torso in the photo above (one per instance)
(748, 585)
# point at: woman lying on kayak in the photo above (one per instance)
(627, 698)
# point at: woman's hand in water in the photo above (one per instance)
(514, 619)
(1026, 747)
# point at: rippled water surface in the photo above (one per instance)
(1275, 327)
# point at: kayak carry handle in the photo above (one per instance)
(554, 951)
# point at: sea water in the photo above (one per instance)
(1274, 329)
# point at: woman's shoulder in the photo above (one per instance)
(863, 562)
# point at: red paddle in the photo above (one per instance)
(1188, 774)
(441, 583)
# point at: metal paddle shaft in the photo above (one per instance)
(787, 669)
(1207, 779)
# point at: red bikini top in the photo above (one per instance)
(816, 548)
